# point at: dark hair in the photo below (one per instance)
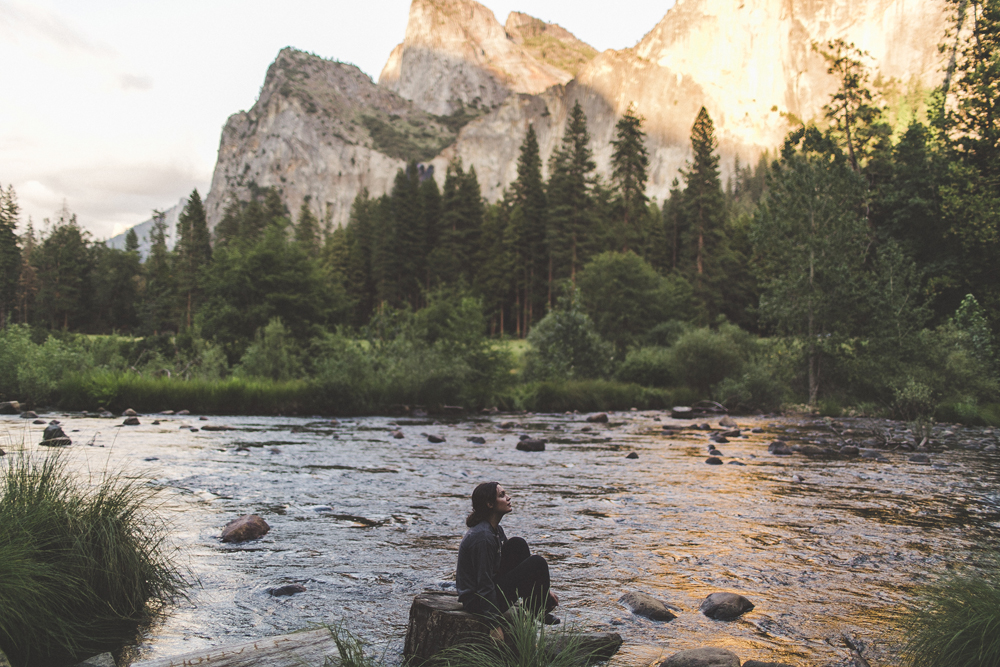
(482, 497)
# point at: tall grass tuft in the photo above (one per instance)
(350, 651)
(527, 643)
(956, 621)
(81, 567)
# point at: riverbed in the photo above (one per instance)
(364, 521)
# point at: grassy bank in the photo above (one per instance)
(82, 567)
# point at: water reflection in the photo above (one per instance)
(365, 521)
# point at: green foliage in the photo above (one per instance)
(273, 354)
(956, 620)
(625, 297)
(701, 358)
(629, 165)
(31, 372)
(566, 345)
(648, 367)
(82, 566)
(412, 139)
(10, 255)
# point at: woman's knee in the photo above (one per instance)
(516, 550)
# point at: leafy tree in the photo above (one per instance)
(273, 354)
(565, 345)
(63, 261)
(625, 297)
(192, 254)
(10, 255)
(572, 221)
(629, 164)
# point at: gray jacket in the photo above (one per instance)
(478, 565)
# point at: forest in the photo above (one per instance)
(853, 270)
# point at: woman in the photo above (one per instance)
(493, 572)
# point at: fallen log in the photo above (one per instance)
(300, 648)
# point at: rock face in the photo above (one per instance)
(324, 130)
(247, 527)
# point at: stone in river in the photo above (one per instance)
(531, 445)
(53, 436)
(641, 604)
(3, 453)
(702, 657)
(714, 452)
(734, 433)
(811, 450)
(167, 412)
(849, 451)
(39, 421)
(10, 408)
(599, 418)
(476, 439)
(725, 606)
(632, 455)
(29, 414)
(737, 463)
(920, 458)
(131, 421)
(435, 438)
(508, 424)
(398, 435)
(247, 527)
(758, 663)
(756, 430)
(183, 412)
(713, 461)
(287, 589)
(727, 422)
(721, 439)
(779, 448)
(129, 412)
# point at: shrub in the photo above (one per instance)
(273, 354)
(81, 567)
(756, 389)
(956, 621)
(565, 345)
(703, 358)
(590, 396)
(29, 371)
(648, 366)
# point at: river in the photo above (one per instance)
(365, 521)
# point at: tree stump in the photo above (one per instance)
(437, 621)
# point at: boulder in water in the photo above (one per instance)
(713, 461)
(397, 434)
(632, 455)
(29, 414)
(129, 412)
(477, 440)
(702, 657)
(247, 527)
(727, 422)
(53, 436)
(599, 418)
(435, 438)
(287, 589)
(641, 604)
(131, 421)
(725, 606)
(531, 445)
(758, 663)
(10, 408)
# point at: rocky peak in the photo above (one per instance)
(455, 53)
(549, 42)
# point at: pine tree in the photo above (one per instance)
(851, 108)
(572, 224)
(131, 241)
(10, 255)
(27, 284)
(63, 261)
(461, 223)
(527, 233)
(429, 199)
(229, 228)
(160, 283)
(404, 245)
(629, 164)
(307, 230)
(192, 254)
(495, 272)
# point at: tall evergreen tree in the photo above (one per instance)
(429, 199)
(10, 255)
(307, 230)
(461, 223)
(405, 243)
(193, 252)
(495, 276)
(160, 285)
(572, 221)
(629, 165)
(27, 283)
(63, 261)
(851, 109)
(527, 234)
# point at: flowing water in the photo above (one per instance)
(365, 521)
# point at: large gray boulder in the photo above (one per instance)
(646, 605)
(54, 436)
(725, 606)
(10, 408)
(247, 527)
(702, 657)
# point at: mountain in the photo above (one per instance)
(143, 229)
(462, 85)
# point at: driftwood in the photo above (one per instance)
(437, 622)
(294, 650)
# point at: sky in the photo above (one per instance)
(115, 107)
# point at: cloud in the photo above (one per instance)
(19, 21)
(135, 82)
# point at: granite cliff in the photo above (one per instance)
(462, 85)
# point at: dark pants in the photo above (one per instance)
(522, 576)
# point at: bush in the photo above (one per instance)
(30, 372)
(756, 389)
(703, 358)
(565, 345)
(273, 354)
(81, 567)
(648, 366)
(956, 621)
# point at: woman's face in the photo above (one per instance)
(503, 503)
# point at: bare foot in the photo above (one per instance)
(552, 603)
(497, 634)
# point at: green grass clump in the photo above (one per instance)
(81, 567)
(527, 643)
(591, 395)
(956, 621)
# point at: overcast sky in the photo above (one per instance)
(116, 106)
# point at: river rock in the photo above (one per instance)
(646, 605)
(508, 424)
(713, 461)
(29, 414)
(39, 422)
(920, 458)
(714, 452)
(681, 412)
(129, 412)
(247, 527)
(732, 433)
(53, 432)
(531, 445)
(727, 422)
(287, 589)
(811, 450)
(849, 451)
(435, 438)
(725, 606)
(167, 412)
(102, 660)
(477, 439)
(131, 421)
(105, 414)
(779, 448)
(758, 663)
(720, 439)
(599, 418)
(757, 430)
(398, 435)
(703, 657)
(632, 455)
(183, 412)
(10, 408)
(3, 453)
(212, 427)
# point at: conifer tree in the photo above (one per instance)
(228, 230)
(429, 197)
(27, 283)
(131, 241)
(527, 233)
(63, 261)
(629, 165)
(10, 255)
(160, 282)
(404, 245)
(495, 266)
(192, 254)
(461, 223)
(571, 217)
(307, 230)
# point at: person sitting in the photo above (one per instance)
(493, 571)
